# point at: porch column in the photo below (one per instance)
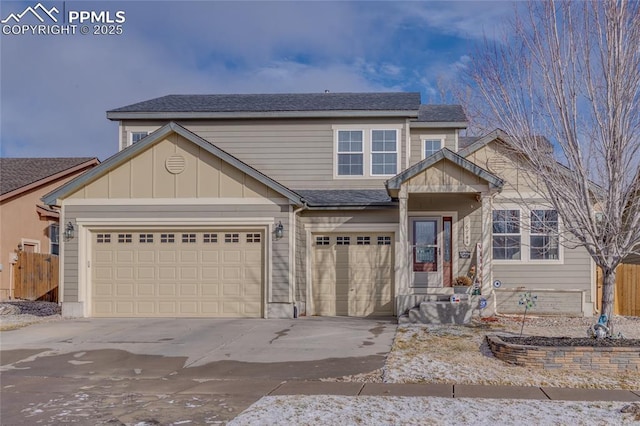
(487, 254)
(403, 243)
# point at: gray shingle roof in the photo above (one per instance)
(436, 113)
(465, 141)
(346, 197)
(409, 101)
(18, 172)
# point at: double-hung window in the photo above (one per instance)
(530, 236)
(544, 244)
(431, 146)
(350, 153)
(506, 235)
(384, 152)
(367, 151)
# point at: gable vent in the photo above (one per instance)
(175, 164)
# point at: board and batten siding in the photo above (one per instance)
(298, 153)
(146, 176)
(279, 248)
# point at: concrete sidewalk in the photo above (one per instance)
(453, 391)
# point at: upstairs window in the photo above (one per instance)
(350, 153)
(384, 152)
(137, 136)
(367, 151)
(431, 146)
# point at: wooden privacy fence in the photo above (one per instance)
(627, 293)
(35, 277)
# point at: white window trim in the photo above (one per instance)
(525, 234)
(28, 241)
(366, 147)
(371, 152)
(537, 234)
(509, 234)
(51, 242)
(126, 131)
(361, 152)
(131, 132)
(425, 138)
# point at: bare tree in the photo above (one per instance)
(571, 71)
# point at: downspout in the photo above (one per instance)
(294, 232)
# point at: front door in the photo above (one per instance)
(426, 243)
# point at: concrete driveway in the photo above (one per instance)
(125, 371)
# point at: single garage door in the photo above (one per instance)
(152, 273)
(353, 274)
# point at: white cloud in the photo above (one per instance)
(56, 89)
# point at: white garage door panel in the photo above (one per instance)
(353, 274)
(177, 273)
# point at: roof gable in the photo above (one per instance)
(448, 155)
(474, 145)
(134, 151)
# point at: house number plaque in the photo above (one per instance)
(466, 231)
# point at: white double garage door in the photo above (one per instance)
(221, 273)
(160, 273)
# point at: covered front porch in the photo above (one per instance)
(445, 228)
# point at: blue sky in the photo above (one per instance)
(55, 89)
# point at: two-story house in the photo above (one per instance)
(319, 204)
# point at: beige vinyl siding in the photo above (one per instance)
(301, 261)
(346, 217)
(279, 249)
(633, 259)
(299, 154)
(505, 165)
(574, 273)
(548, 302)
(416, 142)
(70, 278)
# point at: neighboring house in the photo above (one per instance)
(25, 223)
(319, 204)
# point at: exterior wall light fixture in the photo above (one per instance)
(279, 230)
(69, 231)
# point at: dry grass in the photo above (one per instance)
(459, 354)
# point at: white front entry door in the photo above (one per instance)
(426, 251)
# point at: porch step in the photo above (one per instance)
(439, 312)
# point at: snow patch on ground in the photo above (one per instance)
(460, 354)
(369, 410)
